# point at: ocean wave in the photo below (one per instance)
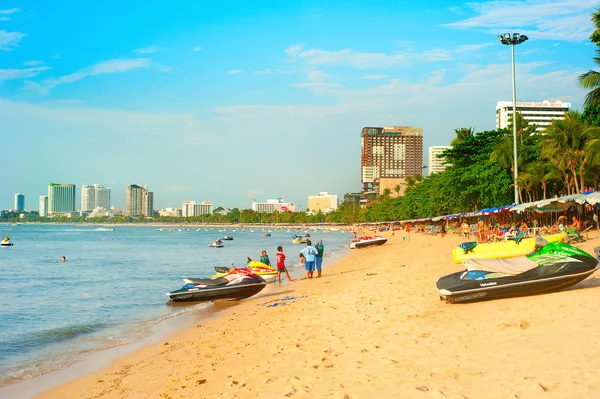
(39, 339)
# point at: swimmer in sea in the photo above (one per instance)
(63, 259)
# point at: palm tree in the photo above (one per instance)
(461, 134)
(397, 189)
(591, 79)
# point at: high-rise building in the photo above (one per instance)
(191, 208)
(273, 205)
(102, 197)
(43, 207)
(187, 208)
(88, 198)
(323, 202)
(19, 202)
(540, 113)
(61, 198)
(390, 152)
(436, 164)
(133, 200)
(148, 203)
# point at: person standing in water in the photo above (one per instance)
(281, 265)
(319, 258)
(63, 259)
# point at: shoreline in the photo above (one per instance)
(102, 358)
(373, 325)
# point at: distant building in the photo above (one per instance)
(102, 196)
(139, 201)
(19, 202)
(148, 203)
(88, 198)
(540, 113)
(190, 208)
(396, 186)
(273, 205)
(43, 206)
(323, 202)
(169, 212)
(61, 198)
(436, 165)
(390, 152)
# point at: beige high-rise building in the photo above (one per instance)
(134, 200)
(390, 152)
(147, 203)
(324, 202)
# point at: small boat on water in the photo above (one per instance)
(6, 242)
(216, 244)
(363, 242)
(552, 267)
(296, 239)
(236, 284)
(228, 238)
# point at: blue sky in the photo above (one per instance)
(216, 101)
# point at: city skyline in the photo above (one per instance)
(222, 100)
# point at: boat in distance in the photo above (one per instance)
(237, 284)
(363, 242)
(552, 267)
(216, 244)
(6, 242)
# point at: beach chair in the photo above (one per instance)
(573, 235)
(519, 237)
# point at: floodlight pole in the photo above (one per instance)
(512, 41)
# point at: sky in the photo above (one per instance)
(233, 101)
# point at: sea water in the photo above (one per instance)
(111, 289)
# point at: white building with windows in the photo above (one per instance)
(540, 113)
(436, 165)
(93, 197)
(61, 198)
(191, 208)
(43, 207)
(273, 205)
(324, 202)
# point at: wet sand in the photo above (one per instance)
(372, 327)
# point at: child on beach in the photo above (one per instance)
(281, 265)
(265, 258)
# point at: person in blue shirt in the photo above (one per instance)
(310, 254)
(320, 249)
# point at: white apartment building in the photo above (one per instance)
(436, 164)
(88, 198)
(102, 196)
(43, 206)
(191, 208)
(540, 113)
(323, 202)
(273, 205)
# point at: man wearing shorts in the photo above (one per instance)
(320, 249)
(281, 265)
(310, 254)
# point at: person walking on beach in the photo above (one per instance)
(281, 265)
(319, 258)
(466, 230)
(310, 253)
(265, 258)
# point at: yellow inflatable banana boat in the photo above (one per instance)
(267, 272)
(508, 249)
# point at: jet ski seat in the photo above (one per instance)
(211, 282)
(518, 265)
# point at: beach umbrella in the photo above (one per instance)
(593, 198)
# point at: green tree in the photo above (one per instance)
(590, 80)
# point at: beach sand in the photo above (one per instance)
(372, 327)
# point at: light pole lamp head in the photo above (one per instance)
(507, 36)
(523, 38)
(516, 36)
(500, 38)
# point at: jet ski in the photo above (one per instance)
(268, 273)
(367, 242)
(6, 242)
(216, 244)
(552, 267)
(236, 284)
(296, 239)
(228, 238)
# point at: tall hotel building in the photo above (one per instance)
(43, 207)
(93, 197)
(19, 202)
(540, 113)
(191, 208)
(390, 152)
(139, 201)
(61, 198)
(436, 165)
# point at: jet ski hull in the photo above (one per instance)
(465, 286)
(368, 243)
(216, 293)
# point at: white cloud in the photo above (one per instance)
(4, 18)
(10, 40)
(543, 19)
(235, 71)
(316, 76)
(374, 77)
(9, 11)
(147, 50)
(267, 71)
(101, 68)
(7, 74)
(197, 48)
(33, 63)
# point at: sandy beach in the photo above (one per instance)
(372, 327)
